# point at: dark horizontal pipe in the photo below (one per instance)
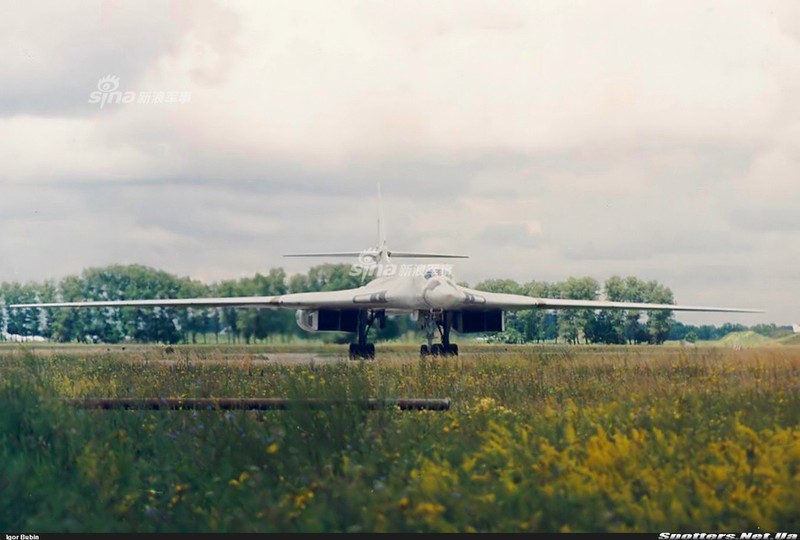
(256, 404)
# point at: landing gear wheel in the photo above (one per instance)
(359, 353)
(423, 350)
(452, 349)
(437, 349)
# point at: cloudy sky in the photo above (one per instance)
(544, 139)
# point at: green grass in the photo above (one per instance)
(793, 339)
(747, 338)
(546, 438)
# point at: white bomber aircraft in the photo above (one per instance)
(440, 304)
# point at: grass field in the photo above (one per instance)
(544, 438)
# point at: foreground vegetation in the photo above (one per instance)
(537, 439)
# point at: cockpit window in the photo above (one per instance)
(438, 271)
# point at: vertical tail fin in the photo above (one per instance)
(383, 252)
(381, 221)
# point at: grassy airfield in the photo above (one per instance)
(538, 438)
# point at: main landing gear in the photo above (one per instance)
(362, 350)
(443, 322)
(366, 351)
(431, 322)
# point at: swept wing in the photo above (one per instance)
(234, 301)
(487, 300)
(362, 297)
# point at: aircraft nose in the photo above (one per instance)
(439, 294)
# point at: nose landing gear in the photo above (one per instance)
(439, 349)
(443, 322)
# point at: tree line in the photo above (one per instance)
(192, 325)
(586, 325)
(161, 324)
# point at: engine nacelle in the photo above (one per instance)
(306, 319)
(467, 322)
(327, 320)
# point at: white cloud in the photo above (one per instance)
(630, 138)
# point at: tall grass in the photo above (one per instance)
(537, 439)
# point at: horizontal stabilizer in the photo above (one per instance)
(329, 254)
(413, 254)
(391, 253)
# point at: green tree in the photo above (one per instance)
(22, 321)
(261, 323)
(194, 321)
(70, 324)
(540, 325)
(658, 322)
(229, 317)
(576, 323)
(627, 322)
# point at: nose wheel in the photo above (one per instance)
(431, 324)
(439, 349)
